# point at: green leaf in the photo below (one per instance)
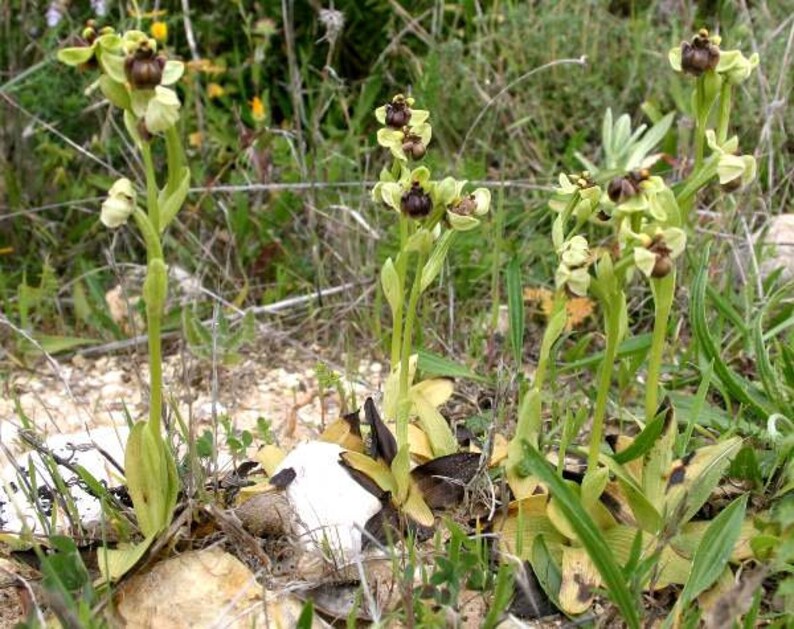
(515, 305)
(115, 563)
(306, 618)
(58, 344)
(644, 441)
(588, 533)
(435, 263)
(714, 550)
(546, 570)
(434, 365)
(435, 425)
(737, 386)
(390, 281)
(150, 472)
(170, 205)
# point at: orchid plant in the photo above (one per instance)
(647, 220)
(430, 213)
(137, 77)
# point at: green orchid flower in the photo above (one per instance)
(645, 201)
(96, 45)
(733, 170)
(569, 185)
(119, 205)
(463, 210)
(735, 67)
(411, 194)
(572, 273)
(655, 259)
(406, 132)
(697, 56)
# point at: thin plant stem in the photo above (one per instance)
(604, 380)
(726, 93)
(153, 322)
(663, 291)
(151, 186)
(401, 267)
(404, 404)
(701, 118)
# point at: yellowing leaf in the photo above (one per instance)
(435, 426)
(270, 457)
(114, 563)
(579, 579)
(416, 507)
(435, 390)
(341, 433)
(419, 443)
(378, 471)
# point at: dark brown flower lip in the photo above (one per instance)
(398, 114)
(416, 203)
(699, 55)
(144, 69)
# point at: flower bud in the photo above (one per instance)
(119, 205)
(414, 147)
(144, 69)
(416, 202)
(699, 55)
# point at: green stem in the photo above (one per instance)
(151, 186)
(401, 266)
(154, 248)
(701, 119)
(175, 156)
(154, 324)
(612, 316)
(663, 291)
(404, 402)
(724, 112)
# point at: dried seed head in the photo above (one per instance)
(416, 202)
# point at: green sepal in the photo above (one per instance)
(75, 56)
(115, 92)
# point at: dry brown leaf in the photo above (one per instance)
(577, 308)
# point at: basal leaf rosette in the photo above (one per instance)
(463, 210)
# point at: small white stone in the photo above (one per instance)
(332, 508)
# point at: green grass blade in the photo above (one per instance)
(435, 365)
(515, 305)
(588, 533)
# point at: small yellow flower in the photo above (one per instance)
(214, 90)
(195, 139)
(159, 31)
(257, 109)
